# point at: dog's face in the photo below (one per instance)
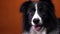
(37, 15)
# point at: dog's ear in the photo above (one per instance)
(24, 6)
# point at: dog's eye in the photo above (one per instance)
(41, 9)
(45, 15)
(31, 12)
(32, 9)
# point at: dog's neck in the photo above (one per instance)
(33, 31)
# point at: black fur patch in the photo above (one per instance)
(45, 10)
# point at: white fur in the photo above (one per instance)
(36, 15)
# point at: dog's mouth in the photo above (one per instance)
(37, 27)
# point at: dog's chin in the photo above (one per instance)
(37, 27)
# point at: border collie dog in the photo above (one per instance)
(38, 18)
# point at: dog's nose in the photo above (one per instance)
(36, 21)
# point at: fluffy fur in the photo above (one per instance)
(45, 11)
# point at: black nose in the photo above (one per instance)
(36, 21)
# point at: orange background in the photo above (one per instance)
(11, 18)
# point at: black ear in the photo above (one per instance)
(24, 6)
(48, 1)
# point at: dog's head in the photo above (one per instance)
(39, 15)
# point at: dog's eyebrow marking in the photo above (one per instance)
(36, 15)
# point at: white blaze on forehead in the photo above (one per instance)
(36, 15)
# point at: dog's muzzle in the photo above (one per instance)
(37, 23)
